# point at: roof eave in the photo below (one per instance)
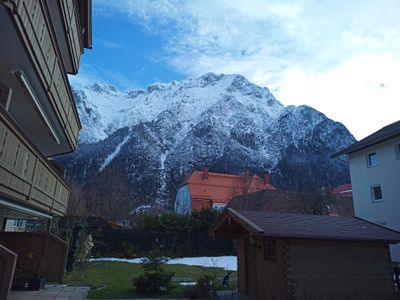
(349, 149)
(333, 238)
(246, 223)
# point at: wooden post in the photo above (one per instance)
(42, 266)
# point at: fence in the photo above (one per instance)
(128, 243)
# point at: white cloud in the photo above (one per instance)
(362, 92)
(108, 44)
(88, 74)
(336, 49)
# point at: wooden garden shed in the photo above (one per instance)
(298, 256)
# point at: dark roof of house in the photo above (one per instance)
(313, 226)
(294, 202)
(383, 134)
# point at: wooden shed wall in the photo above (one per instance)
(241, 261)
(271, 276)
(340, 270)
(260, 277)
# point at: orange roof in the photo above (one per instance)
(221, 188)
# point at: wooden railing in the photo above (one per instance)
(41, 254)
(27, 176)
(34, 26)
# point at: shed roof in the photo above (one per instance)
(383, 134)
(304, 226)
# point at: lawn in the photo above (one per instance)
(117, 278)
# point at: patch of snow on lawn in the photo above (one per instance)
(226, 262)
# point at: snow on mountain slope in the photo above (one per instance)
(153, 138)
(103, 109)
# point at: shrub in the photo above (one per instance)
(154, 278)
(205, 288)
(198, 221)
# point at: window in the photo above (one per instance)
(372, 160)
(376, 193)
(219, 206)
(397, 151)
(270, 249)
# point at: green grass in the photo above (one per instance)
(117, 277)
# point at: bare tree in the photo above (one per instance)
(77, 212)
(109, 195)
(316, 203)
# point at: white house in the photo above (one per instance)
(375, 176)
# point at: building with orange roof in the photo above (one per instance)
(204, 189)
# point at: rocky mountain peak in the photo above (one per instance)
(102, 88)
(151, 139)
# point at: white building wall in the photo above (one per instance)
(386, 174)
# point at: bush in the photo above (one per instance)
(205, 288)
(196, 222)
(154, 278)
(153, 282)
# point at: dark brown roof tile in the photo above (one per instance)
(317, 226)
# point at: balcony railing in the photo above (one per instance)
(71, 19)
(27, 176)
(34, 26)
(42, 248)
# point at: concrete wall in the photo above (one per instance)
(387, 175)
(340, 270)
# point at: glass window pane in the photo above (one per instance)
(372, 160)
(377, 193)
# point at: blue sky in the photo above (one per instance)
(341, 57)
(123, 54)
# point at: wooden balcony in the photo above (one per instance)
(25, 175)
(32, 21)
(74, 34)
(65, 16)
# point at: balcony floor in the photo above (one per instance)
(52, 292)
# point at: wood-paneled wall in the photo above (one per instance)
(34, 25)
(27, 176)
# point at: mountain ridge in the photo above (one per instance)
(154, 138)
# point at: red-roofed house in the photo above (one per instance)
(204, 189)
(343, 190)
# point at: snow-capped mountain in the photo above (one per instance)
(138, 145)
